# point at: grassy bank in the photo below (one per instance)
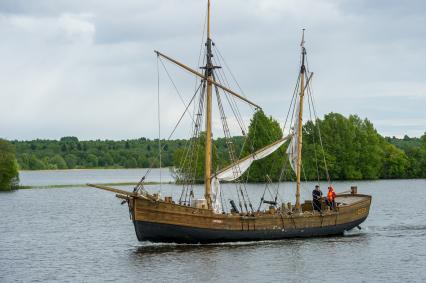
(84, 185)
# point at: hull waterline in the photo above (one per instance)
(159, 221)
(168, 233)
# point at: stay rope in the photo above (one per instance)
(231, 151)
(159, 120)
(311, 99)
(139, 186)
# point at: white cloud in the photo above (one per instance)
(85, 69)
(56, 30)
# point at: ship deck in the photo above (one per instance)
(348, 200)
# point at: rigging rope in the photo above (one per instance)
(159, 120)
(313, 139)
(231, 100)
(234, 108)
(190, 177)
(318, 127)
(175, 87)
(236, 169)
(183, 114)
(229, 70)
(139, 186)
(292, 108)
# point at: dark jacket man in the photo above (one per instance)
(316, 198)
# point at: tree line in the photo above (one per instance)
(351, 149)
(335, 148)
(70, 153)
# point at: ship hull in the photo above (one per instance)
(168, 233)
(159, 221)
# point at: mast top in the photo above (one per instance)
(208, 19)
(209, 64)
(302, 44)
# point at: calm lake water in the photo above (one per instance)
(84, 235)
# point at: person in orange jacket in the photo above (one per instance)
(331, 195)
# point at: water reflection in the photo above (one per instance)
(160, 248)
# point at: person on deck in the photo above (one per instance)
(316, 198)
(331, 196)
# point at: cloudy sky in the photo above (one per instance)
(87, 68)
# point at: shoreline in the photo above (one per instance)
(86, 169)
(29, 187)
(153, 183)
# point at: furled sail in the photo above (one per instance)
(235, 170)
(216, 198)
(238, 168)
(292, 149)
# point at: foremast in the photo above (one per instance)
(208, 148)
(300, 123)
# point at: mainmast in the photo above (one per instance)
(208, 79)
(209, 74)
(300, 122)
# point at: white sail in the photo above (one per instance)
(292, 149)
(235, 170)
(216, 196)
(238, 168)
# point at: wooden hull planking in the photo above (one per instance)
(160, 221)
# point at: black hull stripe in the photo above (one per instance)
(168, 233)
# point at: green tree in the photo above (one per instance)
(58, 162)
(395, 162)
(23, 161)
(71, 160)
(190, 162)
(9, 175)
(353, 150)
(106, 160)
(340, 140)
(369, 145)
(423, 156)
(143, 162)
(36, 164)
(414, 155)
(415, 152)
(131, 163)
(91, 161)
(63, 147)
(263, 131)
(69, 139)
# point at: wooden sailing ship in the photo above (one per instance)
(206, 220)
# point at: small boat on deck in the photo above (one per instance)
(206, 220)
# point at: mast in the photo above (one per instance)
(208, 152)
(300, 124)
(208, 80)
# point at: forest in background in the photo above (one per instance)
(352, 149)
(9, 175)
